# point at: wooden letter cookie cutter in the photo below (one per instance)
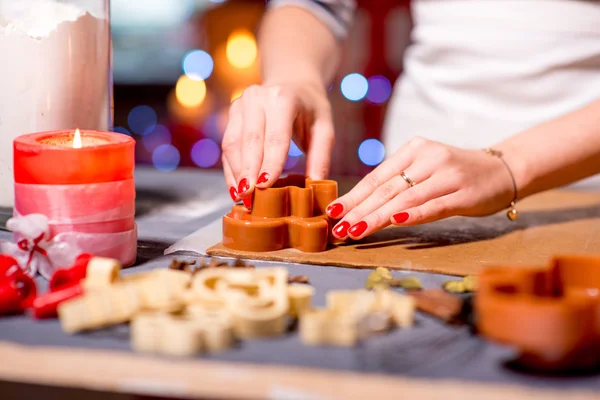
(289, 214)
(352, 315)
(552, 314)
(256, 300)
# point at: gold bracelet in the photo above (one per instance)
(512, 213)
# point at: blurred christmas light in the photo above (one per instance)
(241, 49)
(354, 86)
(213, 126)
(236, 94)
(379, 89)
(155, 137)
(120, 129)
(205, 153)
(294, 150)
(165, 158)
(371, 152)
(291, 162)
(198, 64)
(190, 92)
(141, 118)
(194, 116)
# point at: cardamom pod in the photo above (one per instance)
(454, 286)
(467, 284)
(470, 283)
(384, 272)
(408, 283)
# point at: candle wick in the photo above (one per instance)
(77, 139)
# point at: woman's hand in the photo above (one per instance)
(261, 124)
(448, 181)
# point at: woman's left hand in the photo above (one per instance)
(448, 181)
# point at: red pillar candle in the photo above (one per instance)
(49, 158)
(84, 183)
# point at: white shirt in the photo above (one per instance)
(479, 71)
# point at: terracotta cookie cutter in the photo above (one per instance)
(552, 314)
(289, 214)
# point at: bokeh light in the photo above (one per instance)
(380, 89)
(291, 162)
(354, 86)
(236, 94)
(241, 49)
(213, 126)
(205, 153)
(198, 64)
(165, 158)
(294, 150)
(190, 92)
(120, 129)
(155, 137)
(371, 152)
(141, 119)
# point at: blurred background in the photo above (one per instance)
(179, 63)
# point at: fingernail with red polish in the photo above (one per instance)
(335, 210)
(248, 202)
(243, 186)
(263, 178)
(341, 229)
(400, 217)
(233, 193)
(358, 229)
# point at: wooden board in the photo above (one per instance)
(191, 378)
(554, 222)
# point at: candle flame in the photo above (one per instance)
(77, 139)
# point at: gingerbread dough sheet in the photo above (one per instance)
(554, 222)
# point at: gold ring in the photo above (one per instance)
(407, 179)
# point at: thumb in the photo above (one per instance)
(322, 140)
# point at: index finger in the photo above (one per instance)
(281, 111)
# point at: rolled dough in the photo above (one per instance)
(554, 222)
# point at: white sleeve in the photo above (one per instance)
(336, 14)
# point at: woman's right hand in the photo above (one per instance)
(261, 124)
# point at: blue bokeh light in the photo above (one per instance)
(291, 162)
(371, 152)
(198, 64)
(120, 129)
(166, 158)
(354, 87)
(380, 89)
(294, 150)
(142, 119)
(157, 136)
(205, 153)
(212, 126)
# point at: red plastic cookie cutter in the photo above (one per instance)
(551, 314)
(17, 289)
(64, 277)
(46, 305)
(289, 214)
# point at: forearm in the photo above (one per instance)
(555, 153)
(296, 47)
